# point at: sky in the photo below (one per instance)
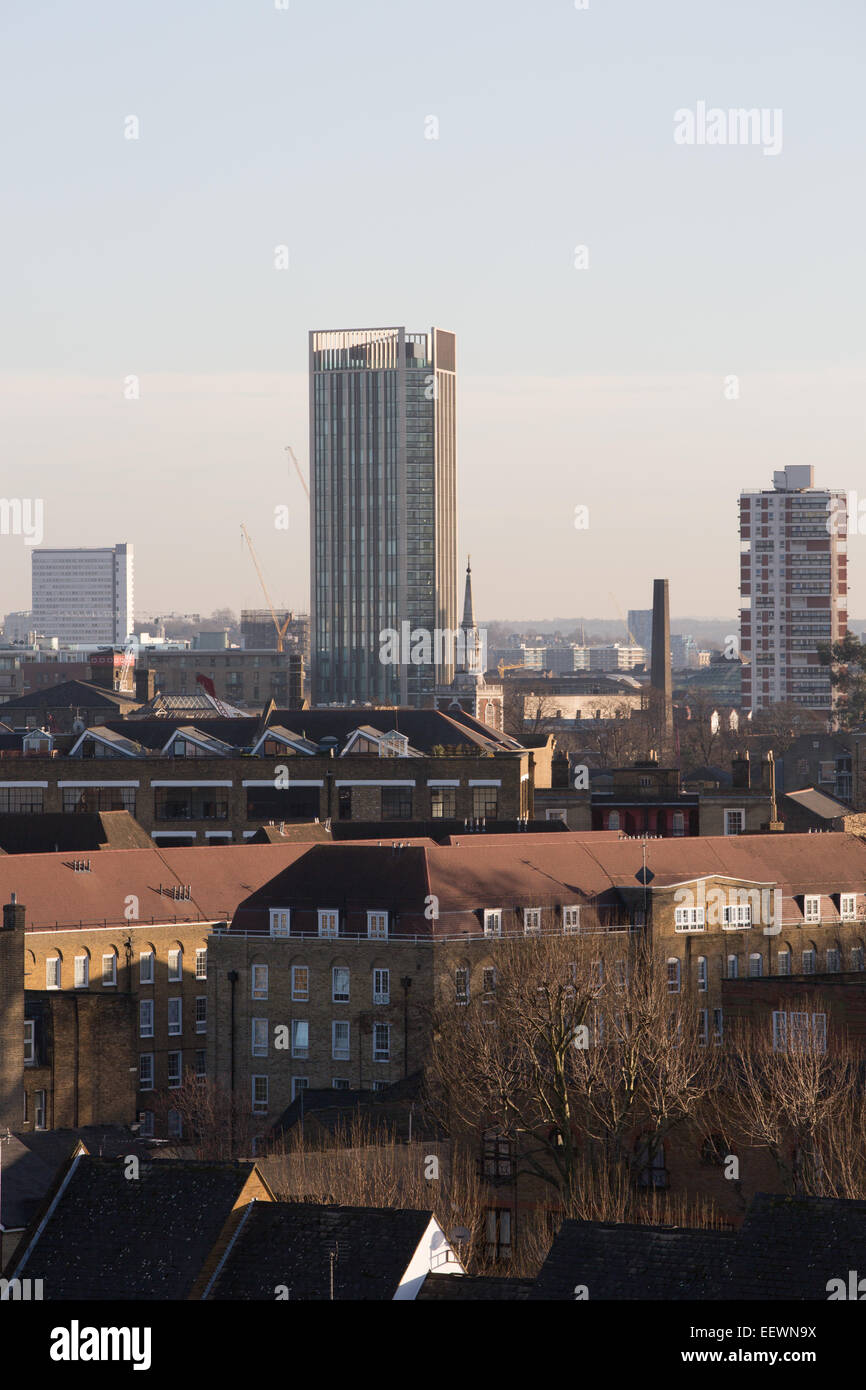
(431, 164)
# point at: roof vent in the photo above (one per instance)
(81, 866)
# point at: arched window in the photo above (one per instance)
(702, 974)
(756, 965)
(733, 968)
(673, 975)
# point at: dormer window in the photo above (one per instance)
(280, 917)
(329, 922)
(531, 921)
(493, 921)
(377, 925)
(848, 907)
(812, 908)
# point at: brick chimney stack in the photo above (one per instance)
(12, 1015)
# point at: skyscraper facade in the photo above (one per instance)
(383, 515)
(793, 588)
(84, 595)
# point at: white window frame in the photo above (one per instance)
(300, 1049)
(201, 963)
(812, 907)
(175, 964)
(382, 978)
(341, 1052)
(258, 991)
(174, 1085)
(703, 974)
(737, 917)
(259, 1103)
(835, 955)
(673, 983)
(259, 1026)
(201, 1013)
(493, 921)
(175, 1016)
(299, 1083)
(329, 921)
(571, 920)
(734, 811)
(146, 958)
(531, 921)
(281, 919)
(144, 1085)
(703, 1027)
(145, 1012)
(30, 1042)
(382, 1054)
(81, 972)
(848, 907)
(297, 992)
(690, 919)
(783, 956)
(756, 974)
(343, 996)
(808, 969)
(461, 995)
(729, 961)
(52, 972)
(780, 1031)
(718, 1026)
(377, 926)
(109, 977)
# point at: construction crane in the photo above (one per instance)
(281, 629)
(291, 453)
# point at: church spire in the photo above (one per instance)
(468, 623)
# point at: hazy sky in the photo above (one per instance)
(602, 386)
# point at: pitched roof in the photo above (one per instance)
(56, 830)
(620, 1261)
(292, 1243)
(291, 832)
(444, 1288)
(111, 1237)
(202, 705)
(31, 1161)
(791, 1247)
(71, 694)
(819, 803)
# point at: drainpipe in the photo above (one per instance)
(233, 979)
(406, 982)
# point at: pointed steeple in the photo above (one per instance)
(468, 608)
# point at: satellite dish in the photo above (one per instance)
(460, 1235)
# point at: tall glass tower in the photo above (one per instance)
(383, 517)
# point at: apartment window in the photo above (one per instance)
(377, 925)
(340, 1083)
(200, 1064)
(797, 1032)
(175, 964)
(329, 922)
(52, 972)
(718, 1026)
(848, 907)
(703, 1026)
(679, 823)
(260, 1095)
(493, 921)
(381, 1085)
(651, 1168)
(145, 968)
(497, 1153)
(39, 1120)
(736, 916)
(702, 974)
(175, 1125)
(260, 982)
(299, 1083)
(396, 803)
(145, 1071)
(689, 918)
(340, 1039)
(673, 975)
(201, 963)
(340, 984)
(145, 1121)
(174, 1060)
(856, 957)
(531, 921)
(613, 820)
(570, 920)
(260, 1037)
(485, 803)
(784, 963)
(499, 1233)
(808, 962)
(812, 908)
(300, 1038)
(461, 985)
(381, 1042)
(300, 982)
(145, 1018)
(834, 959)
(735, 822)
(175, 1016)
(201, 1013)
(381, 986)
(733, 967)
(756, 965)
(488, 979)
(443, 802)
(81, 977)
(280, 921)
(109, 970)
(29, 1042)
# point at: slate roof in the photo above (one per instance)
(790, 1247)
(621, 1261)
(71, 694)
(50, 830)
(819, 803)
(113, 1237)
(32, 1160)
(291, 1243)
(291, 832)
(445, 1288)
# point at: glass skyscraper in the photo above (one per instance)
(383, 521)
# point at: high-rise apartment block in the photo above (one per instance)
(383, 518)
(793, 587)
(84, 595)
